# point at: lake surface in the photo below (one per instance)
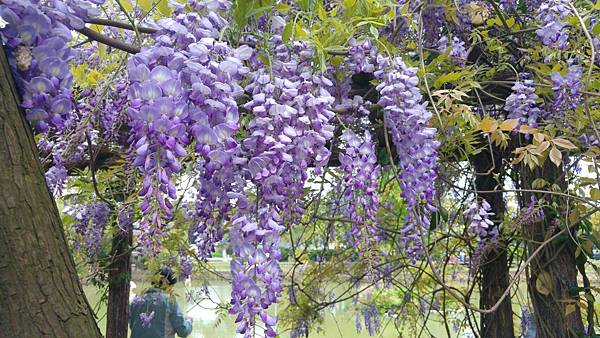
(339, 319)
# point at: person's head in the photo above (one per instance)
(164, 278)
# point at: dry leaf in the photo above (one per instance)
(509, 125)
(488, 125)
(525, 129)
(555, 156)
(564, 143)
(543, 146)
(543, 283)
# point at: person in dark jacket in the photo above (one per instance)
(157, 314)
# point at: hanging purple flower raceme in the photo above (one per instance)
(372, 319)
(521, 103)
(185, 263)
(480, 225)
(407, 121)
(209, 72)
(553, 32)
(567, 90)
(90, 222)
(291, 125)
(458, 52)
(533, 213)
(479, 218)
(158, 120)
(359, 163)
(432, 20)
(36, 34)
(361, 56)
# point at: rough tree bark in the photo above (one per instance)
(494, 263)
(555, 262)
(119, 274)
(40, 293)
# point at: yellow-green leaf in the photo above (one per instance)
(595, 194)
(564, 143)
(525, 129)
(146, 5)
(449, 77)
(509, 125)
(555, 156)
(543, 147)
(543, 283)
(488, 125)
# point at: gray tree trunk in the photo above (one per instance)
(557, 259)
(40, 292)
(494, 263)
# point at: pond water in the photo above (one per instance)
(339, 319)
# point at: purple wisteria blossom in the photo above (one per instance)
(479, 218)
(567, 90)
(183, 89)
(36, 35)
(407, 121)
(553, 31)
(372, 319)
(289, 131)
(533, 213)
(90, 223)
(458, 52)
(521, 104)
(433, 20)
(361, 173)
(185, 263)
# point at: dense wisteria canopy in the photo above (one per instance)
(238, 123)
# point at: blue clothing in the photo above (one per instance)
(166, 320)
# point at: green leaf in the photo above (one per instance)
(300, 33)
(374, 31)
(146, 5)
(239, 13)
(282, 8)
(257, 11)
(595, 194)
(450, 77)
(163, 7)
(287, 31)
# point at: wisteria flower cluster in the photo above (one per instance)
(40, 60)
(291, 107)
(90, 223)
(361, 56)
(433, 19)
(567, 89)
(359, 163)
(180, 96)
(458, 52)
(521, 103)
(553, 32)
(479, 218)
(407, 121)
(533, 213)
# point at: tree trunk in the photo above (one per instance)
(119, 275)
(557, 313)
(40, 293)
(494, 263)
